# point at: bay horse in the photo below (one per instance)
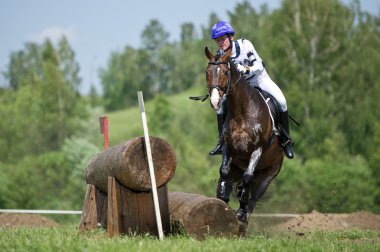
(251, 153)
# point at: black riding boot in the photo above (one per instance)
(218, 148)
(286, 140)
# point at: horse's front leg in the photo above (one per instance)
(224, 188)
(242, 214)
(260, 184)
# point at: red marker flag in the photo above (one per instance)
(103, 123)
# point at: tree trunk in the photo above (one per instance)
(127, 162)
(200, 216)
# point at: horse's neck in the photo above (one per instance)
(240, 94)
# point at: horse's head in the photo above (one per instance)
(218, 76)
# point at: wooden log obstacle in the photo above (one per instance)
(119, 196)
(200, 216)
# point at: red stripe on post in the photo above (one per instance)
(105, 133)
(103, 123)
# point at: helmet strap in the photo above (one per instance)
(230, 40)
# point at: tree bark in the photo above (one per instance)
(127, 162)
(200, 216)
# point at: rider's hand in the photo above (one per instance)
(242, 69)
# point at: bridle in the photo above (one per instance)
(218, 86)
(227, 88)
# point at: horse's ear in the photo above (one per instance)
(208, 53)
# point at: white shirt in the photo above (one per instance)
(244, 53)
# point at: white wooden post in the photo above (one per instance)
(151, 167)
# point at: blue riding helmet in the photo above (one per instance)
(221, 28)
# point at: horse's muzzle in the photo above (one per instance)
(215, 99)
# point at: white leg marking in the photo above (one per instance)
(257, 129)
(255, 156)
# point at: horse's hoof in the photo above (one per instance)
(242, 215)
(223, 197)
(242, 228)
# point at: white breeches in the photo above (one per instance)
(264, 82)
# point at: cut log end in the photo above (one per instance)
(201, 216)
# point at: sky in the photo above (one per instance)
(95, 28)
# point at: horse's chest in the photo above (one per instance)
(243, 136)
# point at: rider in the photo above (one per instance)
(251, 66)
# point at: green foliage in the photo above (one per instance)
(43, 104)
(162, 114)
(53, 180)
(322, 54)
(326, 185)
(157, 68)
(77, 152)
(154, 36)
(37, 182)
(126, 74)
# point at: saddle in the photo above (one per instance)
(274, 108)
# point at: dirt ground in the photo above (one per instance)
(319, 221)
(25, 220)
(303, 223)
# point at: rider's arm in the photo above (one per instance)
(254, 64)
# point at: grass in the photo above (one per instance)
(66, 238)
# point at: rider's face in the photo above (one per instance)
(223, 42)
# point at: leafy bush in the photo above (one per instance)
(53, 180)
(326, 185)
(36, 182)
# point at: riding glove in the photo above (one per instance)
(242, 69)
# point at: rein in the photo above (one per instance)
(229, 85)
(218, 87)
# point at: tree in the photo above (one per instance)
(161, 114)
(36, 182)
(155, 41)
(309, 42)
(188, 33)
(69, 67)
(127, 73)
(45, 107)
(154, 36)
